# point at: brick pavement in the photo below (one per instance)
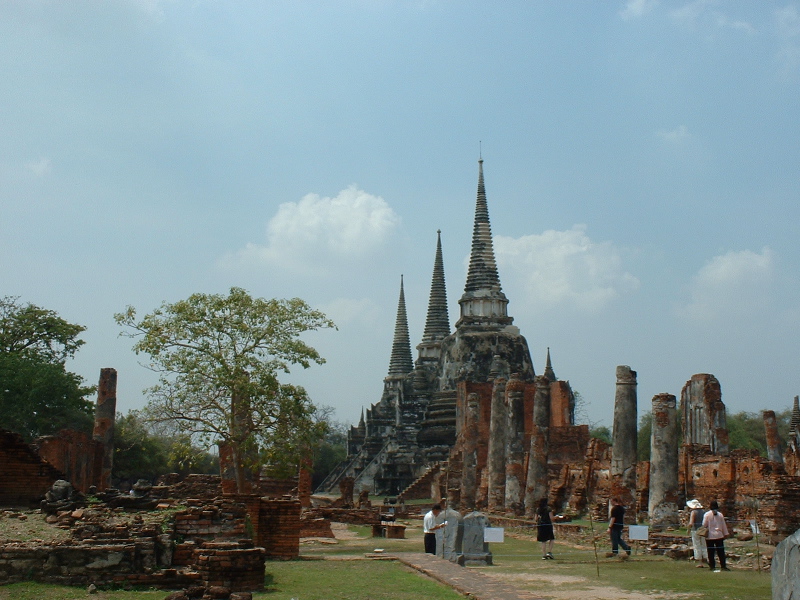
(464, 580)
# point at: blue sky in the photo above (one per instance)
(641, 164)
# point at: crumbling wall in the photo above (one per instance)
(125, 563)
(24, 476)
(198, 486)
(279, 528)
(75, 454)
(562, 404)
(231, 565)
(704, 421)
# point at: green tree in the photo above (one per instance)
(746, 430)
(643, 436)
(138, 454)
(219, 358)
(38, 396)
(601, 432)
(143, 451)
(331, 449)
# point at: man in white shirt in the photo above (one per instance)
(429, 526)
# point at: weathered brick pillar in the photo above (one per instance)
(496, 459)
(279, 528)
(304, 482)
(537, 486)
(624, 450)
(470, 467)
(104, 413)
(515, 445)
(774, 451)
(663, 504)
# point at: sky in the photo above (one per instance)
(640, 157)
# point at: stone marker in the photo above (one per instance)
(474, 550)
(452, 536)
(786, 568)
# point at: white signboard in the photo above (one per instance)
(638, 532)
(493, 534)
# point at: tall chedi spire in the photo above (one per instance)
(483, 304)
(485, 345)
(437, 325)
(401, 362)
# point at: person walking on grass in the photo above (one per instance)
(615, 524)
(429, 527)
(717, 532)
(544, 529)
(698, 541)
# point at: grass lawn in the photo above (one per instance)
(518, 562)
(285, 580)
(344, 574)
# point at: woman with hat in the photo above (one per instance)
(698, 541)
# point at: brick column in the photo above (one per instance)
(624, 449)
(537, 486)
(496, 460)
(104, 413)
(515, 451)
(663, 500)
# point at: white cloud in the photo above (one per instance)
(40, 167)
(703, 14)
(316, 233)
(788, 20)
(152, 8)
(788, 30)
(675, 136)
(635, 9)
(690, 12)
(564, 267)
(731, 285)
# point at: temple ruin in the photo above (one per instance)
(420, 421)
(471, 422)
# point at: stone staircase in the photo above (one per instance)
(421, 488)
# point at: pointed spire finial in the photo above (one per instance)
(548, 369)
(401, 361)
(437, 324)
(794, 424)
(482, 273)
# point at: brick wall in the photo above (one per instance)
(24, 476)
(279, 528)
(75, 454)
(238, 567)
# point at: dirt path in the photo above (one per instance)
(578, 588)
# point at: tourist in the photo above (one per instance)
(717, 532)
(698, 541)
(615, 525)
(544, 531)
(429, 526)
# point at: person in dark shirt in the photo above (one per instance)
(615, 523)
(544, 529)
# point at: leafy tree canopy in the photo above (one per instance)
(36, 333)
(746, 430)
(38, 396)
(143, 452)
(601, 432)
(643, 436)
(219, 358)
(331, 448)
